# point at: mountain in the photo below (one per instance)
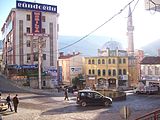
(152, 48)
(88, 46)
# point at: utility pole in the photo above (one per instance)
(6, 66)
(39, 62)
(40, 41)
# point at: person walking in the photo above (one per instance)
(0, 96)
(8, 99)
(15, 102)
(66, 94)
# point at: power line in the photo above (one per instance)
(133, 8)
(121, 10)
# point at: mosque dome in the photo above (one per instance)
(112, 45)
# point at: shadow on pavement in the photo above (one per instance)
(5, 113)
(72, 109)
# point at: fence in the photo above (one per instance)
(155, 115)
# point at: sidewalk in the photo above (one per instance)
(52, 91)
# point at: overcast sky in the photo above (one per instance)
(80, 17)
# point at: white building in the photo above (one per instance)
(28, 27)
(150, 71)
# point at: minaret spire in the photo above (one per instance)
(130, 29)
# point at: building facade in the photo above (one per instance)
(29, 30)
(107, 70)
(150, 71)
(72, 66)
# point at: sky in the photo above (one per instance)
(80, 17)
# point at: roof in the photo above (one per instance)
(68, 56)
(151, 60)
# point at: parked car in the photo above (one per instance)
(3, 105)
(143, 89)
(90, 97)
(72, 89)
(146, 90)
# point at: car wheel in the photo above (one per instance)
(83, 104)
(106, 103)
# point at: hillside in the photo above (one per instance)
(152, 48)
(88, 46)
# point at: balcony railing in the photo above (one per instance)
(151, 116)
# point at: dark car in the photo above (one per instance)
(90, 97)
(72, 89)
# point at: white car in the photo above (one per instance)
(3, 105)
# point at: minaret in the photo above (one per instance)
(130, 29)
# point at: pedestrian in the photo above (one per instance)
(0, 95)
(15, 102)
(8, 99)
(66, 94)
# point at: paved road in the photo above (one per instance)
(51, 106)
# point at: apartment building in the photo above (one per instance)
(29, 29)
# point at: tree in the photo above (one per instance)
(78, 81)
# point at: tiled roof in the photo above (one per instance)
(151, 60)
(68, 56)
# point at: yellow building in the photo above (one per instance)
(108, 70)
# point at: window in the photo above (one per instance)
(99, 61)
(119, 61)
(44, 83)
(99, 72)
(90, 95)
(43, 30)
(28, 57)
(43, 19)
(92, 61)
(113, 61)
(44, 56)
(114, 72)
(124, 60)
(96, 95)
(150, 70)
(109, 61)
(44, 44)
(89, 61)
(93, 72)
(35, 56)
(124, 72)
(104, 72)
(28, 17)
(28, 43)
(109, 72)
(89, 72)
(119, 72)
(28, 30)
(156, 70)
(103, 61)
(82, 94)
